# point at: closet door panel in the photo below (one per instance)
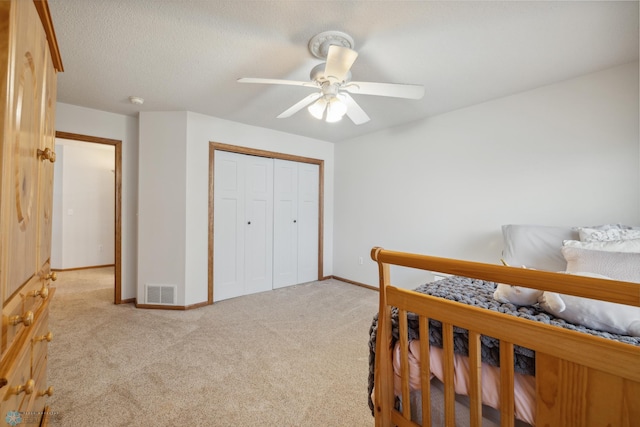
(285, 241)
(228, 229)
(258, 225)
(308, 222)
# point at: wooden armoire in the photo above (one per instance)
(29, 62)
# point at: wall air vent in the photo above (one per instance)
(160, 294)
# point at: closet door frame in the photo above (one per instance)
(213, 146)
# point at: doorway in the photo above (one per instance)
(117, 144)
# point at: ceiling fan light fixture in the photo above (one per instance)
(335, 110)
(317, 108)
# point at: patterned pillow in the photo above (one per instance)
(595, 235)
(629, 245)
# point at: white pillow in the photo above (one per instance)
(607, 235)
(536, 246)
(617, 265)
(595, 314)
(630, 245)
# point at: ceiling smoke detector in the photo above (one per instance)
(136, 100)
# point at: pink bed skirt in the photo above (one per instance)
(525, 385)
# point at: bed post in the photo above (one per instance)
(383, 374)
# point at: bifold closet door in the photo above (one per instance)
(308, 221)
(295, 242)
(243, 225)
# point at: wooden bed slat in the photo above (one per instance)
(384, 398)
(425, 371)
(475, 379)
(507, 404)
(404, 362)
(449, 385)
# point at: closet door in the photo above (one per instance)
(285, 243)
(242, 230)
(228, 226)
(258, 224)
(296, 194)
(308, 221)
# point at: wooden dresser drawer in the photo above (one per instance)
(19, 311)
(31, 409)
(19, 383)
(15, 321)
(24, 367)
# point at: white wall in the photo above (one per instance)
(564, 154)
(162, 202)
(168, 142)
(85, 121)
(83, 205)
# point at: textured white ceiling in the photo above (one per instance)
(188, 54)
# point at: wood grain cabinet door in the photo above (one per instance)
(46, 164)
(24, 138)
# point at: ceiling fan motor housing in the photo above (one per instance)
(317, 74)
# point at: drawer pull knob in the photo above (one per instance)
(26, 389)
(47, 392)
(52, 275)
(27, 319)
(43, 293)
(47, 154)
(48, 337)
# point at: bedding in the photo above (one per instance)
(538, 246)
(629, 245)
(607, 235)
(478, 293)
(623, 266)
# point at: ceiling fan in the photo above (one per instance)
(333, 84)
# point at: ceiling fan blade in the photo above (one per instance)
(339, 62)
(354, 111)
(395, 90)
(300, 105)
(275, 82)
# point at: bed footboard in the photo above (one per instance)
(581, 380)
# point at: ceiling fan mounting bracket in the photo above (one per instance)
(320, 43)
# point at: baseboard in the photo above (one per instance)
(170, 307)
(373, 288)
(128, 301)
(83, 268)
(205, 303)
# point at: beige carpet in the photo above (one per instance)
(295, 356)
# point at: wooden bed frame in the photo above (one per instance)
(581, 380)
